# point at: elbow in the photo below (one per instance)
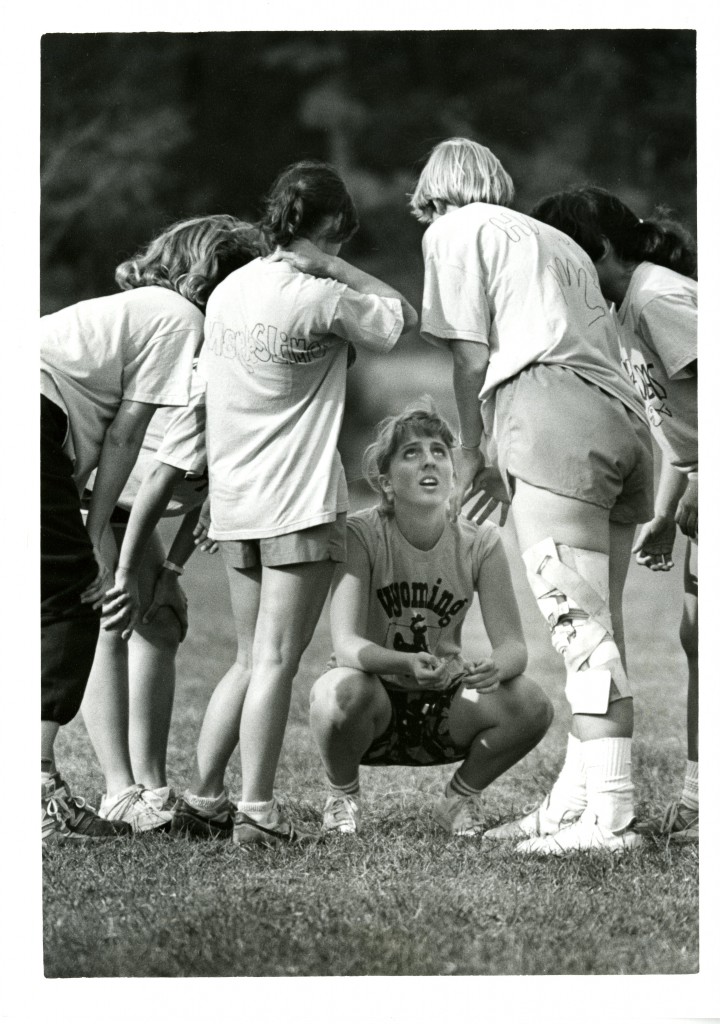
(410, 317)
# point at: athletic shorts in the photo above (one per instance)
(322, 543)
(418, 730)
(558, 431)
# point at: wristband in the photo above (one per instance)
(177, 569)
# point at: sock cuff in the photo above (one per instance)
(458, 786)
(349, 789)
(204, 803)
(691, 772)
(255, 807)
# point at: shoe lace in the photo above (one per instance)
(127, 802)
(674, 820)
(340, 809)
(65, 808)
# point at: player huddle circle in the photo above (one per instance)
(211, 388)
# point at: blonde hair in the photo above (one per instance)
(391, 433)
(460, 171)
(193, 256)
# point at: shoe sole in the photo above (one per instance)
(621, 847)
(191, 828)
(247, 834)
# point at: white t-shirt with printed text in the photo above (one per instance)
(657, 321)
(525, 290)
(137, 345)
(418, 600)
(275, 363)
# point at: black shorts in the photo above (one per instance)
(417, 733)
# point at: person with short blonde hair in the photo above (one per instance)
(536, 365)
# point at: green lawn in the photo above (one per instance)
(402, 898)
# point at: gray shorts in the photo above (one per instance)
(322, 543)
(558, 431)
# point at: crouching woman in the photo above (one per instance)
(402, 691)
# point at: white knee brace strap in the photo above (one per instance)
(571, 586)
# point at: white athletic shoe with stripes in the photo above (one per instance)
(459, 815)
(341, 814)
(536, 822)
(584, 834)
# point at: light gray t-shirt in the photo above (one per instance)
(275, 363)
(658, 332)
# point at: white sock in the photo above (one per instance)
(205, 803)
(689, 796)
(569, 792)
(610, 792)
(263, 811)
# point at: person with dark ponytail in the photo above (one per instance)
(275, 360)
(648, 269)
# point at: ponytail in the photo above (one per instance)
(302, 198)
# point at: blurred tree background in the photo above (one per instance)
(140, 129)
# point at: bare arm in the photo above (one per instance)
(501, 616)
(306, 257)
(470, 364)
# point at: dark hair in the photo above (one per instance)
(193, 256)
(589, 215)
(421, 420)
(302, 197)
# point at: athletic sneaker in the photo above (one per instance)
(584, 834)
(535, 823)
(459, 815)
(141, 808)
(65, 816)
(341, 814)
(190, 821)
(281, 831)
(680, 824)
(167, 795)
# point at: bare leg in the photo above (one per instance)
(48, 733)
(501, 727)
(291, 600)
(539, 514)
(105, 711)
(221, 725)
(689, 640)
(348, 710)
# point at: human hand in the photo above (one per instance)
(489, 485)
(200, 532)
(686, 515)
(482, 675)
(121, 607)
(168, 593)
(469, 462)
(429, 671)
(654, 544)
(305, 257)
(95, 593)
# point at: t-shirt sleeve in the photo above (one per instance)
(183, 445)
(159, 372)
(668, 324)
(486, 540)
(362, 526)
(455, 304)
(371, 321)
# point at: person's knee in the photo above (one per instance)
(689, 636)
(530, 707)
(340, 697)
(163, 630)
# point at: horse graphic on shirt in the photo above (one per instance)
(418, 628)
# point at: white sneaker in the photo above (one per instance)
(167, 796)
(584, 834)
(459, 815)
(141, 808)
(536, 822)
(341, 814)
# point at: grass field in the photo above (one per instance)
(402, 898)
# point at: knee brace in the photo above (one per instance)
(571, 587)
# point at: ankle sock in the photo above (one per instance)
(608, 768)
(689, 796)
(263, 811)
(205, 803)
(458, 787)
